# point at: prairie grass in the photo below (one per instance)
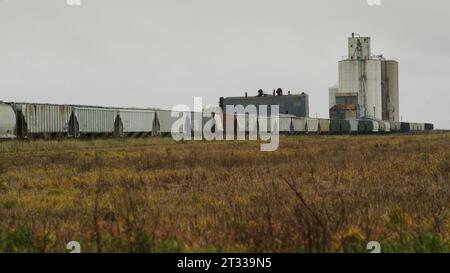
(315, 194)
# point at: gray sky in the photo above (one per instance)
(158, 53)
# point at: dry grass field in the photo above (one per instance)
(315, 194)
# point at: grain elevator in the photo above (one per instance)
(368, 85)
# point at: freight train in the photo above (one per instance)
(31, 120)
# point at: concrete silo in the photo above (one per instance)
(390, 94)
(364, 78)
(332, 91)
(373, 79)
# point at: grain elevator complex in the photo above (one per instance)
(364, 101)
(368, 85)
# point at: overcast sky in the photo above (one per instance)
(158, 53)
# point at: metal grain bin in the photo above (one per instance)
(7, 121)
(135, 122)
(312, 125)
(298, 125)
(86, 121)
(405, 127)
(42, 119)
(324, 126)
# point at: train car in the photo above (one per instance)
(417, 127)
(395, 126)
(421, 126)
(375, 126)
(429, 127)
(135, 122)
(42, 120)
(93, 121)
(324, 126)
(354, 126)
(282, 123)
(311, 126)
(405, 127)
(387, 126)
(197, 122)
(285, 122)
(165, 122)
(7, 121)
(365, 127)
(381, 126)
(248, 124)
(212, 122)
(298, 125)
(213, 119)
(339, 126)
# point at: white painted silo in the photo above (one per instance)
(364, 78)
(372, 90)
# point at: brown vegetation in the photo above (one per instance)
(315, 194)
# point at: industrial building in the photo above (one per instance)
(368, 86)
(289, 104)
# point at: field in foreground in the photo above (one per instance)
(315, 194)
